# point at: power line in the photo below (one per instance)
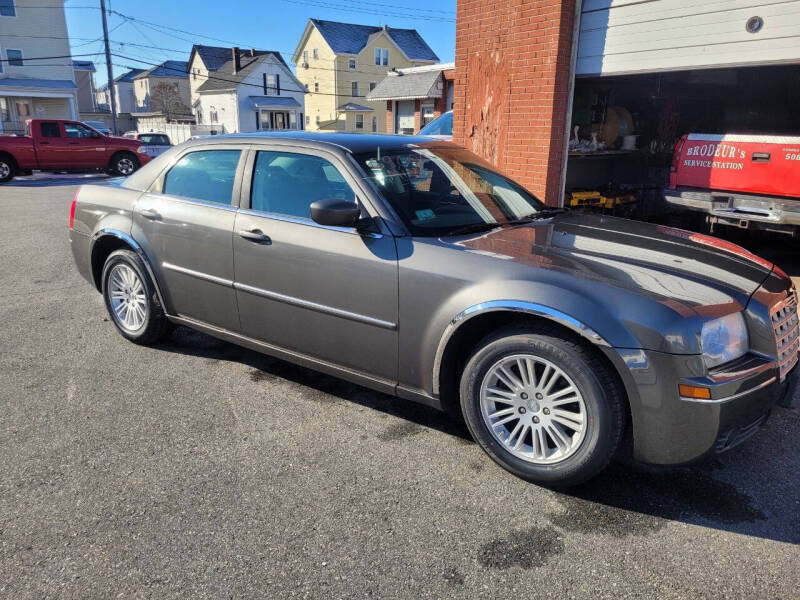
(376, 74)
(321, 4)
(232, 81)
(410, 8)
(27, 58)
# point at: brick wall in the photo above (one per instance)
(512, 80)
(389, 116)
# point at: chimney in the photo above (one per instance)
(252, 51)
(237, 59)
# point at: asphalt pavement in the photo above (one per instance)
(197, 469)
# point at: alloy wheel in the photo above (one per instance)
(533, 409)
(5, 170)
(125, 166)
(126, 293)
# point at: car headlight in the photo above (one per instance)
(723, 339)
(142, 149)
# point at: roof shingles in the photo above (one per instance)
(348, 38)
(169, 68)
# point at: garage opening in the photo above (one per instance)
(625, 129)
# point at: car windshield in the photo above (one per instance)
(154, 138)
(446, 191)
(441, 126)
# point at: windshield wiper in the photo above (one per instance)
(546, 212)
(484, 226)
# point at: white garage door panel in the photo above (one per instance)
(625, 36)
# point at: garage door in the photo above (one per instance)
(634, 36)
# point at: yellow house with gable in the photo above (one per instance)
(340, 63)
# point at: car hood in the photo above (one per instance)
(674, 265)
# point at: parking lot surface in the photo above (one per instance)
(198, 469)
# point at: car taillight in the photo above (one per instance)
(676, 155)
(72, 208)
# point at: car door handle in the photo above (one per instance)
(150, 214)
(255, 235)
(74, 143)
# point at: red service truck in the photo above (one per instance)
(60, 145)
(747, 181)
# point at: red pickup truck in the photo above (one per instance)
(59, 145)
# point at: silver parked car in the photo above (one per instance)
(411, 266)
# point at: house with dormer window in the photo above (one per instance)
(340, 63)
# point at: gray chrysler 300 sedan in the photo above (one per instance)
(411, 266)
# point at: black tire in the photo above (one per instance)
(155, 323)
(122, 163)
(603, 399)
(8, 168)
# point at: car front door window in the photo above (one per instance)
(287, 183)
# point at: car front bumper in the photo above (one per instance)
(670, 430)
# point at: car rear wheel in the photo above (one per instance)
(7, 169)
(124, 164)
(131, 298)
(543, 407)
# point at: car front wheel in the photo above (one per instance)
(543, 406)
(131, 298)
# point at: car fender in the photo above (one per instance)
(576, 311)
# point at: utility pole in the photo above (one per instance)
(110, 69)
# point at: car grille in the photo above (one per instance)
(787, 332)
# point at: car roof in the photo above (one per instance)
(352, 142)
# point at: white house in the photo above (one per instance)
(252, 91)
(34, 81)
(123, 88)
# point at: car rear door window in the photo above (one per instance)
(285, 183)
(50, 130)
(206, 175)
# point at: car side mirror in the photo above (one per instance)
(335, 212)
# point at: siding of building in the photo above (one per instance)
(629, 36)
(50, 38)
(41, 88)
(335, 81)
(143, 88)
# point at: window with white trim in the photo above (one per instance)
(352, 64)
(315, 53)
(382, 57)
(7, 8)
(305, 56)
(273, 87)
(372, 85)
(374, 124)
(14, 58)
(316, 86)
(359, 121)
(354, 88)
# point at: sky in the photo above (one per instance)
(139, 29)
